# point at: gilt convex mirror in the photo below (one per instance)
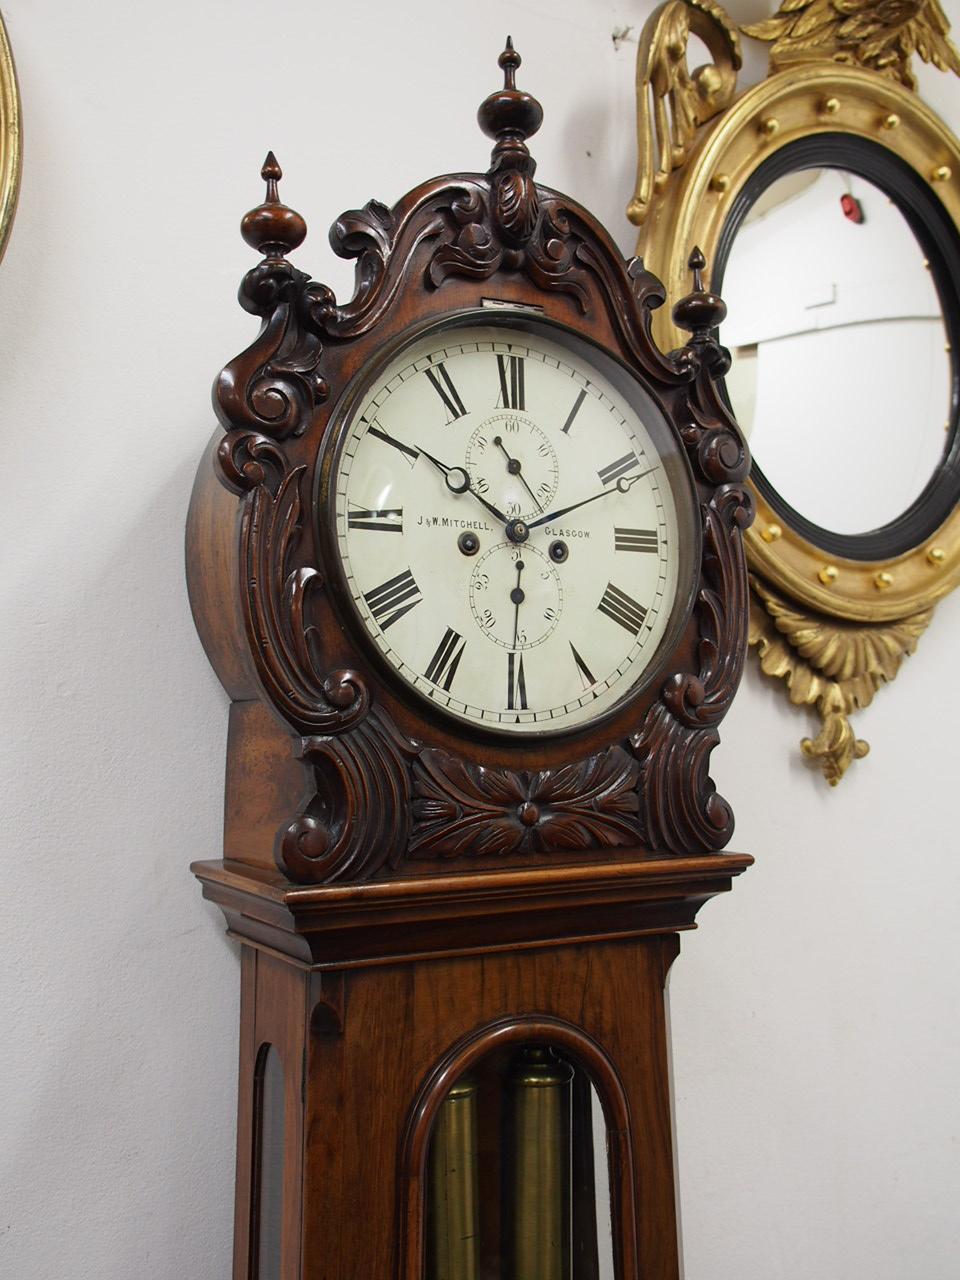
(826, 200)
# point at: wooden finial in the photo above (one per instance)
(271, 173)
(697, 262)
(510, 116)
(509, 60)
(271, 228)
(700, 312)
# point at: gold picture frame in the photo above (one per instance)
(11, 139)
(833, 629)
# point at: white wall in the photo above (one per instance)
(815, 1032)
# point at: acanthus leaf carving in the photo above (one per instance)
(464, 810)
(270, 390)
(682, 810)
(714, 442)
(277, 600)
(358, 820)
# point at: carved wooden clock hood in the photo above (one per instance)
(467, 557)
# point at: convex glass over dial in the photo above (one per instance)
(509, 528)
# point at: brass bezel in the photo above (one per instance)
(877, 604)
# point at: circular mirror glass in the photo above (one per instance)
(839, 325)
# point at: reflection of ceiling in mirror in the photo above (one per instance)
(778, 193)
(843, 435)
(828, 270)
(841, 375)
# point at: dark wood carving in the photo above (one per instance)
(680, 730)
(389, 783)
(359, 819)
(462, 809)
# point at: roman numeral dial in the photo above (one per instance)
(446, 659)
(384, 519)
(618, 468)
(508, 521)
(393, 599)
(624, 610)
(516, 683)
(441, 382)
(512, 393)
(636, 540)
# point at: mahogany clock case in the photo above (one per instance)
(414, 895)
(336, 771)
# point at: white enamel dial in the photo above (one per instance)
(507, 529)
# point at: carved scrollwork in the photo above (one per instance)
(383, 242)
(548, 254)
(831, 665)
(681, 807)
(359, 819)
(715, 446)
(277, 616)
(269, 391)
(463, 810)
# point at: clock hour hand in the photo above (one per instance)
(458, 481)
(623, 485)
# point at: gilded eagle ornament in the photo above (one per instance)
(879, 36)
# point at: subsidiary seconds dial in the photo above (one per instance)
(508, 522)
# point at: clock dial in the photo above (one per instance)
(508, 527)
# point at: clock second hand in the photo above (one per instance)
(515, 469)
(623, 485)
(517, 596)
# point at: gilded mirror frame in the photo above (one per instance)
(11, 147)
(832, 628)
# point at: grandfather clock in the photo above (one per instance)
(467, 558)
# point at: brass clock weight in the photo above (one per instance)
(467, 556)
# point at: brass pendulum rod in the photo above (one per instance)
(537, 1207)
(452, 1207)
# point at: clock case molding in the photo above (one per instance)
(335, 774)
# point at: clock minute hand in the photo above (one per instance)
(465, 487)
(623, 485)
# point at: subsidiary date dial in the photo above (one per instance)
(516, 596)
(508, 531)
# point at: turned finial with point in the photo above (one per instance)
(509, 115)
(701, 311)
(271, 228)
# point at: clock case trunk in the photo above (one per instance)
(407, 893)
